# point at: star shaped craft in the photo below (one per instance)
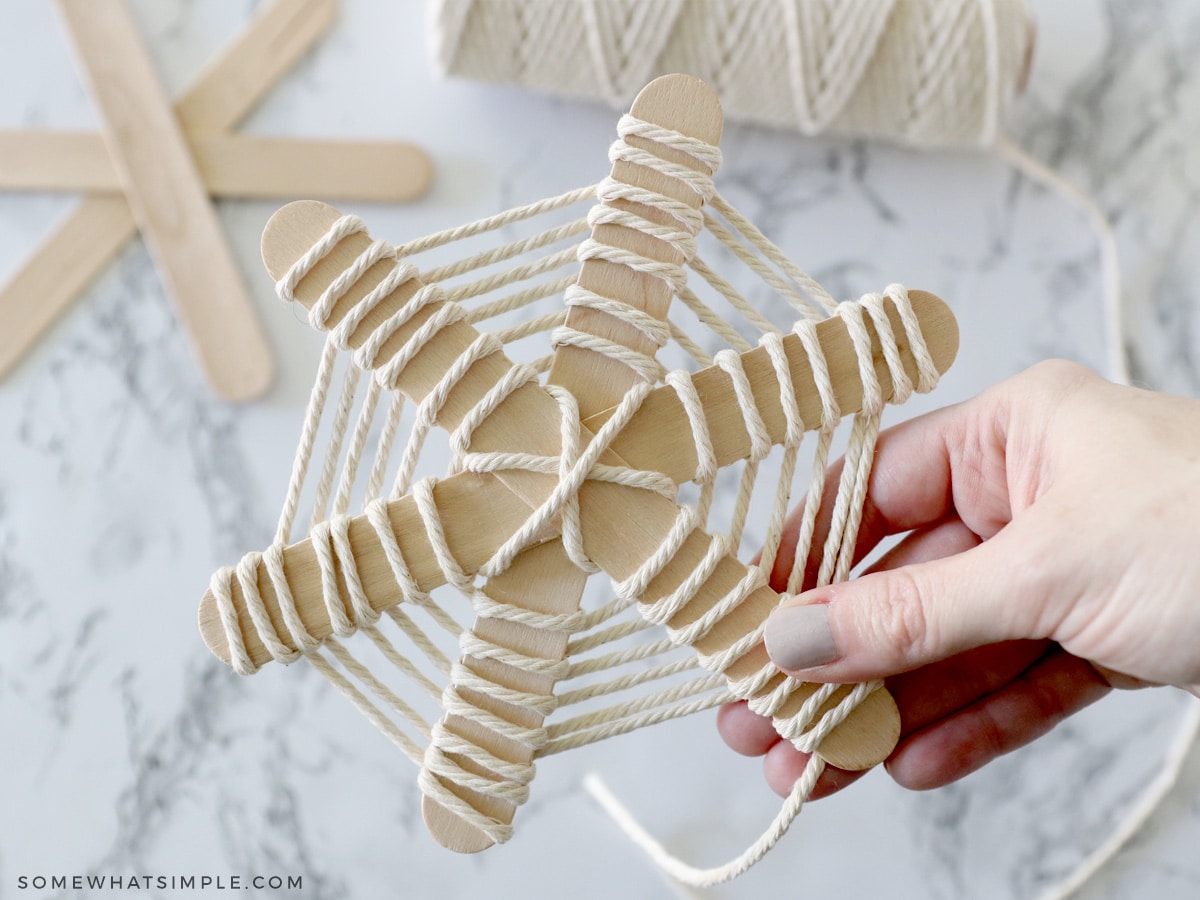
(602, 457)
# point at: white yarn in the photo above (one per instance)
(1140, 813)
(1110, 257)
(692, 875)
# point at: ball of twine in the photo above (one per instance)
(918, 72)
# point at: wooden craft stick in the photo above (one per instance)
(66, 262)
(622, 526)
(88, 238)
(244, 70)
(55, 161)
(231, 165)
(293, 230)
(543, 578)
(689, 106)
(478, 512)
(253, 166)
(168, 199)
(659, 436)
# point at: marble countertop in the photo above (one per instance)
(126, 748)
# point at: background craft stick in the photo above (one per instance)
(65, 263)
(233, 81)
(87, 239)
(544, 578)
(230, 165)
(168, 199)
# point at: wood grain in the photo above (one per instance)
(230, 165)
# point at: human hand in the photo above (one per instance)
(1051, 553)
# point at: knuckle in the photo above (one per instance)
(1058, 377)
(901, 618)
(1048, 704)
(990, 736)
(1059, 371)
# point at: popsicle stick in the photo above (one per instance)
(55, 161)
(168, 199)
(659, 437)
(530, 417)
(544, 578)
(478, 512)
(254, 166)
(689, 106)
(67, 261)
(88, 238)
(231, 165)
(233, 81)
(623, 525)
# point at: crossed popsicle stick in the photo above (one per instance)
(621, 526)
(154, 168)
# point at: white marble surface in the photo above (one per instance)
(125, 748)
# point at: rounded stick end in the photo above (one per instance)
(683, 103)
(867, 737)
(452, 831)
(211, 631)
(939, 327)
(292, 231)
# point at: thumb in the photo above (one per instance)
(900, 619)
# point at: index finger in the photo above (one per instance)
(949, 462)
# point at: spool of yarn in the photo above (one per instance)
(919, 72)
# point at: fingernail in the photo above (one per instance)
(799, 637)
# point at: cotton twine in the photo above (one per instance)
(920, 72)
